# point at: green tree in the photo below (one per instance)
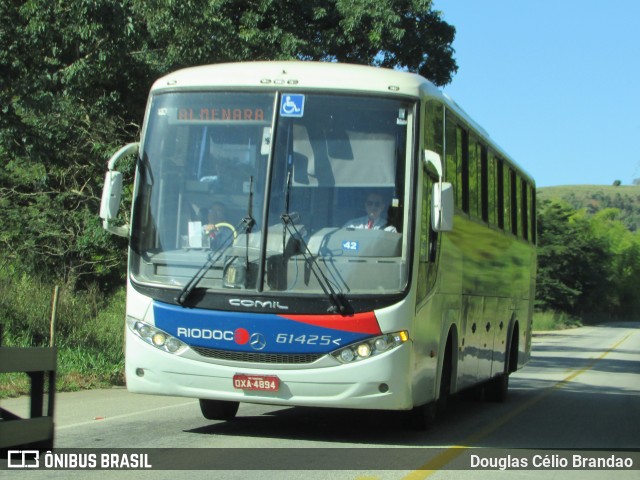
(624, 247)
(68, 90)
(574, 263)
(406, 34)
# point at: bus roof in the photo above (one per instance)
(318, 75)
(299, 74)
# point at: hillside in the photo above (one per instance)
(597, 197)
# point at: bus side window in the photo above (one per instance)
(463, 137)
(500, 193)
(474, 177)
(532, 216)
(453, 152)
(492, 190)
(524, 212)
(514, 202)
(428, 242)
(506, 191)
(440, 138)
(484, 184)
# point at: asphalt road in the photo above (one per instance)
(580, 393)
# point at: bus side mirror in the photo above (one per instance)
(110, 203)
(442, 207)
(112, 193)
(442, 197)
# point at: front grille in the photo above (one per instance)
(256, 357)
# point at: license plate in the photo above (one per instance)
(266, 383)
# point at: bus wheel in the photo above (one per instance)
(218, 409)
(422, 417)
(497, 389)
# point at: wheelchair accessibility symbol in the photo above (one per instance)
(292, 105)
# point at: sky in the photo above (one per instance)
(555, 83)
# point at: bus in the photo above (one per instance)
(371, 247)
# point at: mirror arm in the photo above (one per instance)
(431, 157)
(123, 152)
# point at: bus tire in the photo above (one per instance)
(218, 409)
(446, 377)
(423, 417)
(497, 389)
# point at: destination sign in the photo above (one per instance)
(221, 114)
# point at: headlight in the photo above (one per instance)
(370, 347)
(156, 337)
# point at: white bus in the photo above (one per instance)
(316, 234)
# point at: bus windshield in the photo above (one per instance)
(273, 192)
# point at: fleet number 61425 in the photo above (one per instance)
(307, 339)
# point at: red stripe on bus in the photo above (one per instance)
(357, 323)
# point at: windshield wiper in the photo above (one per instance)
(340, 302)
(248, 223)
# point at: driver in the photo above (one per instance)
(375, 219)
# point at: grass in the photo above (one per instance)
(587, 191)
(78, 369)
(550, 320)
(89, 333)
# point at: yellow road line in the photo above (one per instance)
(448, 455)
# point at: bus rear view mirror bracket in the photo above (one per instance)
(433, 158)
(112, 192)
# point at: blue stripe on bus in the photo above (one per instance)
(249, 332)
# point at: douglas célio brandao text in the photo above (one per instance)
(551, 461)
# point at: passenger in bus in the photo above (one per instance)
(216, 229)
(375, 219)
